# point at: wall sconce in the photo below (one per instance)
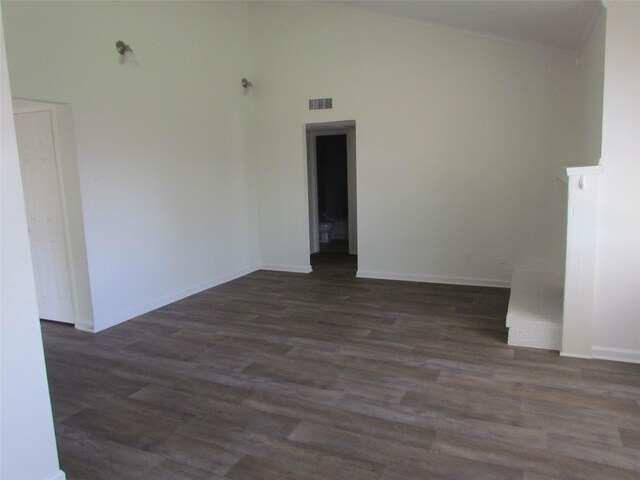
(246, 83)
(126, 52)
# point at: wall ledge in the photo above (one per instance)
(411, 277)
(586, 170)
(565, 173)
(285, 268)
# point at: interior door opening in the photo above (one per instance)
(333, 194)
(39, 168)
(331, 167)
(51, 184)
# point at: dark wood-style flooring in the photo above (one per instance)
(324, 376)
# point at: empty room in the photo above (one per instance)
(382, 240)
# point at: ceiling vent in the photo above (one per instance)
(320, 103)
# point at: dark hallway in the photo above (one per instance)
(333, 198)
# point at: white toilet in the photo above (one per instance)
(325, 228)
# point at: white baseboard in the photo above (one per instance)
(410, 277)
(84, 325)
(616, 354)
(138, 310)
(576, 355)
(609, 353)
(286, 268)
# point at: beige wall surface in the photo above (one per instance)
(163, 149)
(459, 138)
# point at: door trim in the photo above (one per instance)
(314, 130)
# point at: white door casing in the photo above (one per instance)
(40, 176)
(312, 179)
(312, 132)
(352, 195)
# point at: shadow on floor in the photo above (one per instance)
(334, 264)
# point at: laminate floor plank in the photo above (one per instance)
(209, 460)
(437, 420)
(437, 466)
(363, 447)
(348, 420)
(325, 376)
(315, 466)
(89, 455)
(630, 438)
(579, 448)
(174, 470)
(544, 462)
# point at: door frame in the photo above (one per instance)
(313, 131)
(70, 205)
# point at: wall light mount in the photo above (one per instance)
(123, 48)
(126, 57)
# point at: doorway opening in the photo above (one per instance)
(51, 185)
(331, 167)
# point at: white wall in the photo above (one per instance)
(617, 303)
(27, 440)
(583, 188)
(165, 164)
(590, 86)
(458, 140)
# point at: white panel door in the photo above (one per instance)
(44, 215)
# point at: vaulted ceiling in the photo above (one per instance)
(563, 24)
